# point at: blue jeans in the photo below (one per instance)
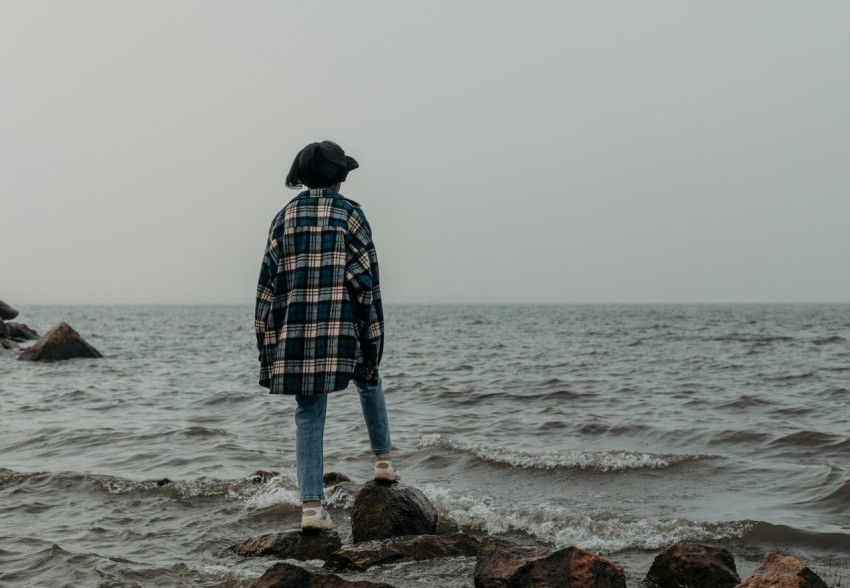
(310, 432)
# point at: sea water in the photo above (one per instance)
(619, 429)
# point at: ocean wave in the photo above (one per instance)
(561, 527)
(750, 338)
(836, 501)
(829, 340)
(746, 401)
(768, 534)
(602, 461)
(813, 440)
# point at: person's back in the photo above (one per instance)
(326, 313)
(319, 317)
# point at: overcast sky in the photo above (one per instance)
(509, 151)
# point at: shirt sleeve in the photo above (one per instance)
(265, 291)
(363, 282)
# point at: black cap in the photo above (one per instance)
(320, 164)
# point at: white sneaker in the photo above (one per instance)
(385, 472)
(315, 519)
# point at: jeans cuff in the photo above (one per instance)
(306, 498)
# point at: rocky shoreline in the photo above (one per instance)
(393, 522)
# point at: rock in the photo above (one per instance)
(262, 476)
(382, 510)
(692, 565)
(502, 564)
(362, 556)
(8, 344)
(781, 571)
(61, 342)
(20, 332)
(352, 489)
(285, 575)
(332, 478)
(7, 313)
(291, 545)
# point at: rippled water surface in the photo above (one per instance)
(616, 428)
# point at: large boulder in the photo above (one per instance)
(20, 332)
(7, 313)
(781, 571)
(61, 342)
(286, 575)
(502, 564)
(692, 565)
(292, 545)
(382, 510)
(362, 556)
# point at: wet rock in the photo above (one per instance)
(262, 476)
(20, 332)
(163, 482)
(8, 344)
(332, 478)
(291, 545)
(781, 571)
(362, 556)
(382, 510)
(61, 342)
(502, 564)
(692, 565)
(351, 489)
(286, 575)
(7, 313)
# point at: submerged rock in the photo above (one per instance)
(692, 565)
(332, 478)
(286, 575)
(362, 556)
(291, 545)
(382, 510)
(781, 571)
(7, 313)
(502, 564)
(61, 342)
(262, 476)
(20, 332)
(351, 489)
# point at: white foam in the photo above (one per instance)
(601, 533)
(602, 461)
(279, 490)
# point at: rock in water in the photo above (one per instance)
(502, 564)
(382, 510)
(693, 565)
(7, 313)
(779, 571)
(20, 332)
(61, 342)
(285, 575)
(362, 556)
(292, 545)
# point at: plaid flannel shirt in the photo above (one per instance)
(319, 318)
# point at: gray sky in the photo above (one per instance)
(509, 151)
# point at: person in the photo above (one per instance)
(319, 318)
